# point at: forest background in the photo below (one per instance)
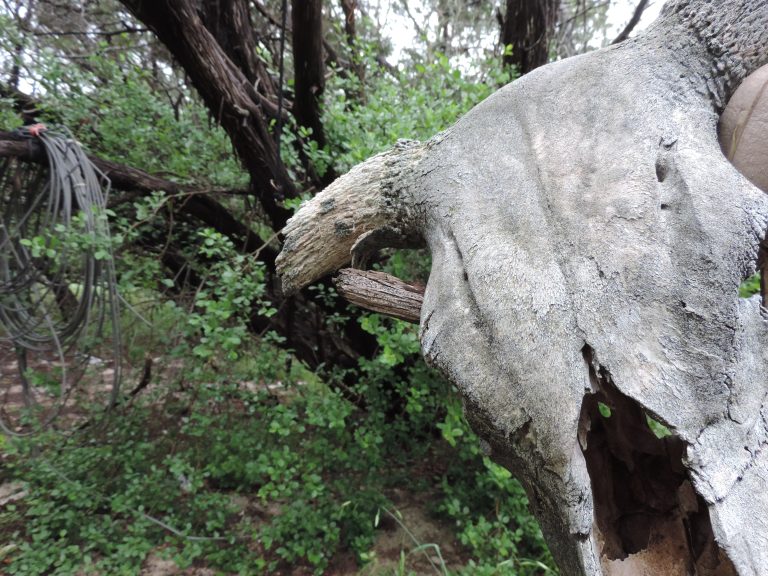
(255, 434)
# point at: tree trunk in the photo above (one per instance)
(588, 240)
(348, 7)
(528, 26)
(309, 73)
(227, 93)
(230, 23)
(309, 65)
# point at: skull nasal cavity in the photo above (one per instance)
(647, 514)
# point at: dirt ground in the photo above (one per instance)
(409, 532)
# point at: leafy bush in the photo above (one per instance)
(312, 468)
(417, 104)
(750, 286)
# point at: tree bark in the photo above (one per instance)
(348, 7)
(309, 72)
(528, 27)
(309, 66)
(227, 93)
(230, 23)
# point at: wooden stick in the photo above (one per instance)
(382, 293)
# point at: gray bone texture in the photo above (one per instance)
(588, 239)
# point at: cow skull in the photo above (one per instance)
(588, 239)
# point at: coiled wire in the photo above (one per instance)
(58, 291)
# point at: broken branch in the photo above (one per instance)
(382, 293)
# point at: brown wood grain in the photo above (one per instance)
(382, 293)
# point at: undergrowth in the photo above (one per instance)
(254, 479)
(237, 458)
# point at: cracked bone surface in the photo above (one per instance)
(588, 240)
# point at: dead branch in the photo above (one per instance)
(382, 293)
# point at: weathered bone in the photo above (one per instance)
(588, 239)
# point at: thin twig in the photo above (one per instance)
(92, 33)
